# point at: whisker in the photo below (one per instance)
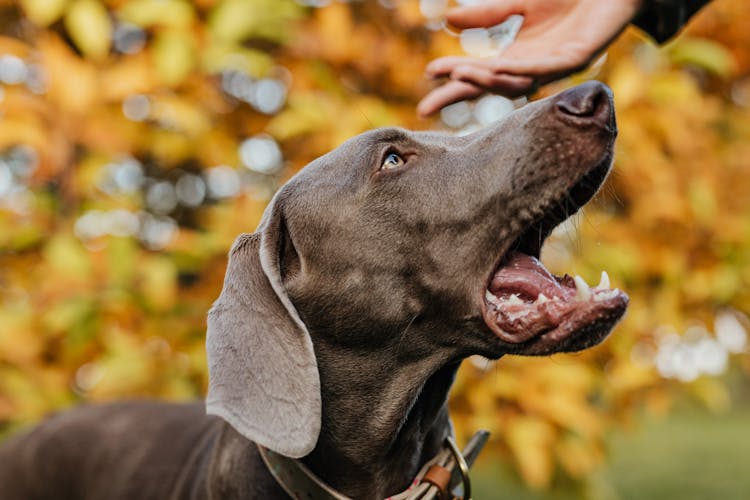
(402, 335)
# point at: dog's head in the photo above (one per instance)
(413, 242)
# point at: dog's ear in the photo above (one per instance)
(263, 377)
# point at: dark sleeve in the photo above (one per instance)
(662, 19)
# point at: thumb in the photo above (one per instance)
(485, 14)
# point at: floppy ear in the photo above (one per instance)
(263, 377)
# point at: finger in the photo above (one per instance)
(485, 14)
(516, 62)
(444, 66)
(508, 85)
(448, 93)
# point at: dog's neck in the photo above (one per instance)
(378, 432)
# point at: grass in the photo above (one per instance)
(687, 456)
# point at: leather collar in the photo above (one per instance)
(445, 476)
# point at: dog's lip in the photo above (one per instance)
(524, 302)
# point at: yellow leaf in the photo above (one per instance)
(174, 56)
(28, 400)
(169, 13)
(24, 130)
(671, 89)
(69, 315)
(713, 393)
(530, 439)
(67, 258)
(179, 389)
(121, 255)
(14, 47)
(72, 81)
(44, 12)
(220, 57)
(627, 376)
(176, 113)
(304, 114)
(18, 342)
(704, 53)
(336, 24)
(232, 20)
(577, 456)
(220, 148)
(235, 20)
(132, 75)
(702, 198)
(159, 283)
(170, 148)
(628, 84)
(88, 24)
(125, 369)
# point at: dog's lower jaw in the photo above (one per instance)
(354, 455)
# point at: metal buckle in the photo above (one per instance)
(467, 458)
(463, 467)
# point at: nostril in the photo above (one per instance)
(584, 100)
(587, 104)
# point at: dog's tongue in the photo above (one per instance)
(524, 276)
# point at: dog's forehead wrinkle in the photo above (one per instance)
(338, 174)
(379, 139)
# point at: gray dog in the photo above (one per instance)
(344, 317)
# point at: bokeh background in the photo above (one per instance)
(138, 138)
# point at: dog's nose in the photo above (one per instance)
(591, 100)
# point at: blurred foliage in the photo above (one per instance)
(139, 137)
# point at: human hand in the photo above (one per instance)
(558, 38)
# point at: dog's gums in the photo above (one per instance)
(525, 302)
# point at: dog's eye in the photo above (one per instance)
(392, 161)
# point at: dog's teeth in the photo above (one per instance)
(606, 295)
(517, 314)
(583, 292)
(604, 281)
(491, 297)
(513, 299)
(541, 299)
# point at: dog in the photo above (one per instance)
(342, 320)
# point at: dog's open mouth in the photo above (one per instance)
(525, 303)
